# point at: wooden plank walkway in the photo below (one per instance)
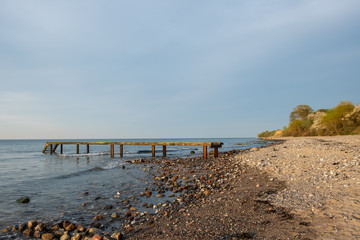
(54, 145)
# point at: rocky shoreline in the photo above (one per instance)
(303, 188)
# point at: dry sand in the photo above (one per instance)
(322, 175)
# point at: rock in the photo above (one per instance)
(69, 227)
(117, 236)
(66, 236)
(99, 217)
(4, 230)
(28, 232)
(94, 231)
(173, 179)
(55, 227)
(192, 152)
(39, 227)
(128, 213)
(23, 200)
(80, 228)
(31, 224)
(128, 228)
(114, 215)
(37, 234)
(76, 236)
(254, 149)
(22, 227)
(148, 193)
(107, 207)
(65, 223)
(47, 236)
(95, 225)
(207, 192)
(96, 237)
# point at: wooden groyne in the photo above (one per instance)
(54, 145)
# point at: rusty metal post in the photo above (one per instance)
(121, 150)
(205, 152)
(77, 149)
(164, 150)
(51, 149)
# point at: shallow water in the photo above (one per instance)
(56, 183)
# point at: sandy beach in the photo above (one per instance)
(302, 188)
(322, 175)
(297, 188)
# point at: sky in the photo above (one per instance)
(172, 69)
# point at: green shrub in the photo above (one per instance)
(333, 121)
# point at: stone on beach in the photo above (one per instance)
(31, 224)
(47, 236)
(96, 237)
(117, 236)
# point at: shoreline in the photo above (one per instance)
(273, 192)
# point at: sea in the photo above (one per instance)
(59, 185)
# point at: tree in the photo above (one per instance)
(300, 112)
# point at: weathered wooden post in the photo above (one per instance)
(153, 150)
(216, 152)
(205, 152)
(121, 150)
(112, 150)
(87, 148)
(61, 148)
(51, 149)
(77, 149)
(55, 147)
(164, 150)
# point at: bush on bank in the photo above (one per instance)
(343, 119)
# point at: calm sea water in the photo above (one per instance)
(56, 183)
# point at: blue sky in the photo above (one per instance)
(155, 69)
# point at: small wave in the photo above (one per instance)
(79, 173)
(84, 154)
(131, 152)
(112, 165)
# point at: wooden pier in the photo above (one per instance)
(54, 145)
